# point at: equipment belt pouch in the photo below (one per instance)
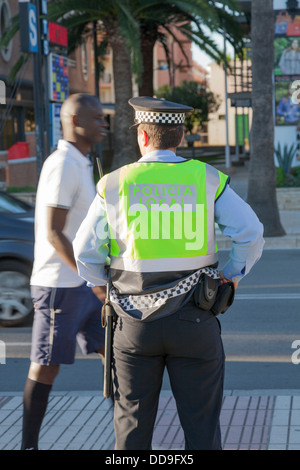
(209, 295)
(206, 292)
(225, 298)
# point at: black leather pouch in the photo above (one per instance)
(206, 292)
(224, 298)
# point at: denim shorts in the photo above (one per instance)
(64, 317)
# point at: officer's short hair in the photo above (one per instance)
(163, 137)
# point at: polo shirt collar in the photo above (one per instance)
(72, 151)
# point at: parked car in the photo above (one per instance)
(16, 258)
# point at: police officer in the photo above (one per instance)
(157, 216)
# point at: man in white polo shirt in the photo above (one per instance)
(66, 310)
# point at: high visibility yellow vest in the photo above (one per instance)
(161, 215)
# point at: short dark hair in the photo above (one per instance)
(163, 136)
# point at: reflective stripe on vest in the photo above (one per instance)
(161, 215)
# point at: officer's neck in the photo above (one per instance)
(150, 148)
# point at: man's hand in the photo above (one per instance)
(100, 292)
(224, 280)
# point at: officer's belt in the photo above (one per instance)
(159, 298)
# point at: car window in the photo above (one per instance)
(12, 205)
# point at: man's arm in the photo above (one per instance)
(56, 221)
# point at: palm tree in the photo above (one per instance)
(121, 31)
(188, 18)
(262, 178)
(132, 28)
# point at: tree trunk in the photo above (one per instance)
(147, 48)
(125, 146)
(262, 176)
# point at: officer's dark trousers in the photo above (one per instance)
(188, 343)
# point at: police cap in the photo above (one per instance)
(150, 110)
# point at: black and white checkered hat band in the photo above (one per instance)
(157, 299)
(150, 117)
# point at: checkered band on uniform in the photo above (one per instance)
(150, 117)
(157, 299)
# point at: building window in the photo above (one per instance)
(5, 17)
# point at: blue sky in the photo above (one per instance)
(203, 59)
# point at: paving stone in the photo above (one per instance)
(248, 422)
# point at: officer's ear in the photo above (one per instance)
(144, 137)
(181, 138)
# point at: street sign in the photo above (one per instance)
(55, 123)
(58, 34)
(44, 7)
(28, 27)
(33, 33)
(58, 78)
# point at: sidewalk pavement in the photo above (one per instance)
(250, 420)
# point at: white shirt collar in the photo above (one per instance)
(166, 156)
(73, 151)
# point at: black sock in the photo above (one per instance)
(35, 401)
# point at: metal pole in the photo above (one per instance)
(46, 81)
(38, 98)
(97, 77)
(97, 93)
(47, 103)
(227, 149)
(237, 149)
(244, 132)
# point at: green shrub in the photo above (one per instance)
(290, 180)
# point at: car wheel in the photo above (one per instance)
(15, 299)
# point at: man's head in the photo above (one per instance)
(82, 120)
(160, 123)
(160, 136)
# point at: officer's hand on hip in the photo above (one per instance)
(224, 279)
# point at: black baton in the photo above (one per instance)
(107, 319)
